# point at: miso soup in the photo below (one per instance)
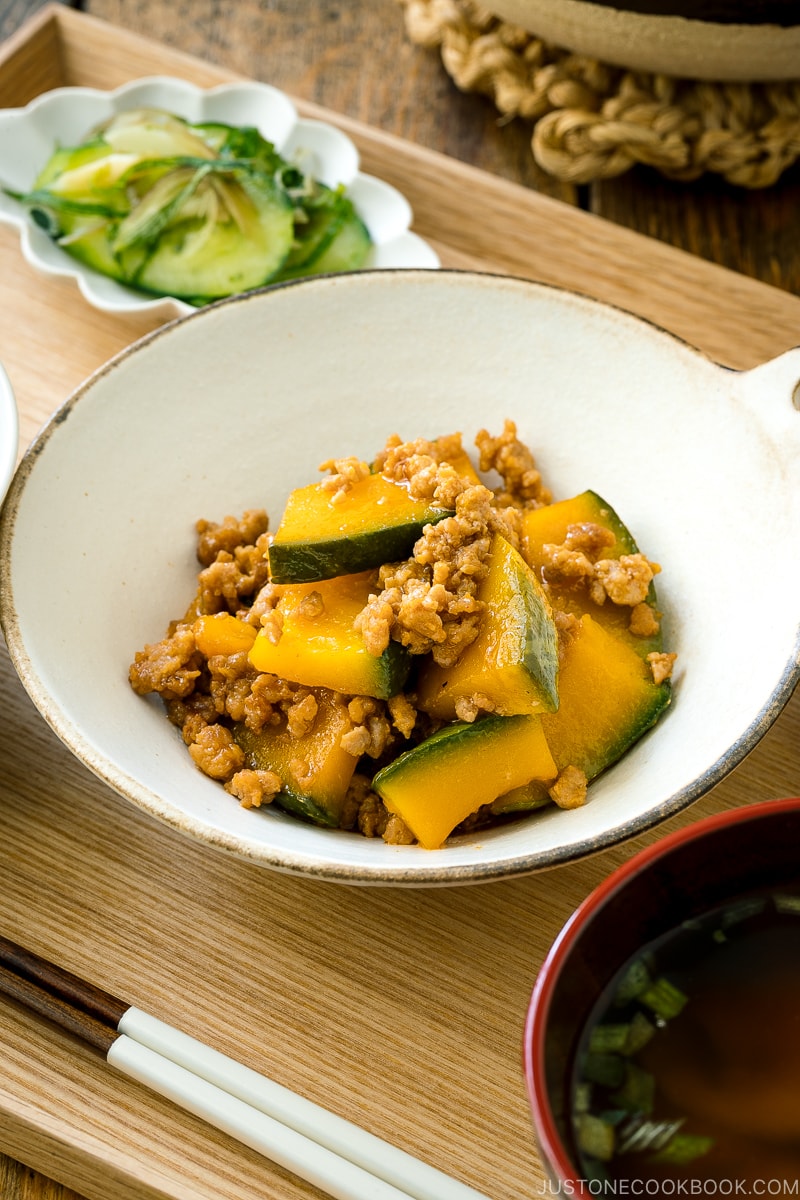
(689, 1066)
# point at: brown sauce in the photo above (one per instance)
(726, 1066)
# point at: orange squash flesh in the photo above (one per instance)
(222, 633)
(608, 700)
(444, 779)
(514, 659)
(315, 770)
(323, 649)
(550, 524)
(376, 521)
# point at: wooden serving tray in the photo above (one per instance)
(401, 1009)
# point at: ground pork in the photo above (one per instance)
(344, 473)
(427, 467)
(170, 667)
(661, 666)
(372, 731)
(254, 788)
(625, 580)
(428, 602)
(569, 790)
(515, 464)
(228, 535)
(644, 621)
(215, 752)
(231, 680)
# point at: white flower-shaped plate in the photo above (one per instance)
(64, 117)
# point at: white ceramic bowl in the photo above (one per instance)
(250, 395)
(64, 116)
(9, 432)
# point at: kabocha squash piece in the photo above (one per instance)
(319, 645)
(375, 522)
(514, 659)
(526, 798)
(608, 700)
(222, 633)
(444, 779)
(550, 524)
(315, 770)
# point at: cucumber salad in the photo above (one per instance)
(415, 651)
(192, 211)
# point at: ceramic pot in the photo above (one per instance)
(723, 40)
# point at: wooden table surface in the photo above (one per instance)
(355, 58)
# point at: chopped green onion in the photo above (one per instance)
(633, 982)
(582, 1098)
(595, 1137)
(640, 1031)
(665, 1000)
(608, 1039)
(742, 911)
(637, 1093)
(606, 1069)
(684, 1148)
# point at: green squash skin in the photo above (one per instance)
(530, 796)
(626, 544)
(392, 670)
(607, 516)
(306, 807)
(659, 698)
(312, 808)
(518, 619)
(540, 656)
(535, 795)
(437, 744)
(603, 514)
(309, 561)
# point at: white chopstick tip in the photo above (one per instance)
(407, 1176)
(335, 1176)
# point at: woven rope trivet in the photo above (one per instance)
(593, 121)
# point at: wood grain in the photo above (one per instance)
(355, 59)
(400, 1009)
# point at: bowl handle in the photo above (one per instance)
(773, 389)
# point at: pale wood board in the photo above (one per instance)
(401, 1009)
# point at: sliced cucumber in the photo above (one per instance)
(151, 133)
(348, 250)
(90, 244)
(67, 158)
(334, 238)
(193, 211)
(228, 236)
(243, 143)
(318, 224)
